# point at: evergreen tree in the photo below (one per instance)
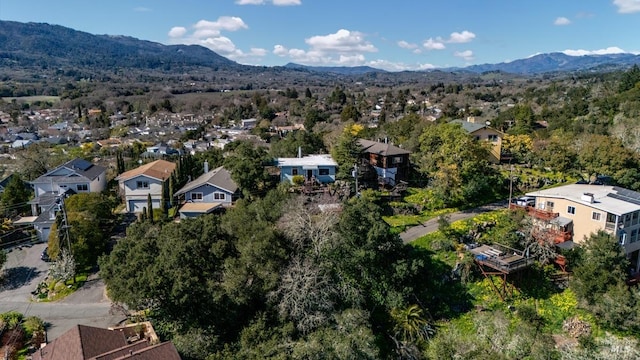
(149, 208)
(163, 198)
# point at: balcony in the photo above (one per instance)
(536, 213)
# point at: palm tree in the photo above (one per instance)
(410, 324)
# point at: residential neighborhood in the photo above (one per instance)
(164, 202)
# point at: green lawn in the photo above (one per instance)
(416, 198)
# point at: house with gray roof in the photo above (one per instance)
(72, 177)
(390, 162)
(483, 132)
(591, 208)
(211, 191)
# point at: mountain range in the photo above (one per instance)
(39, 45)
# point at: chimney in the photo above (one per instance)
(588, 197)
(299, 152)
(206, 166)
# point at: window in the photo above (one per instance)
(323, 171)
(142, 184)
(397, 160)
(635, 218)
(493, 138)
(549, 205)
(595, 216)
(294, 172)
(571, 210)
(218, 196)
(634, 235)
(82, 187)
(476, 138)
(196, 196)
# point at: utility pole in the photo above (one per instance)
(510, 184)
(355, 176)
(66, 223)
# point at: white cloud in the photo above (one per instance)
(343, 47)
(280, 50)
(275, 2)
(209, 34)
(431, 44)
(580, 52)
(228, 23)
(177, 32)
(343, 41)
(562, 21)
(406, 45)
(467, 55)
(286, 2)
(461, 37)
(627, 6)
(398, 66)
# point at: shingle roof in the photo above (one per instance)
(469, 126)
(379, 148)
(81, 342)
(159, 169)
(79, 166)
(164, 351)
(218, 177)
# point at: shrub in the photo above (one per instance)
(298, 180)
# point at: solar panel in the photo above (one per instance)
(624, 198)
(81, 164)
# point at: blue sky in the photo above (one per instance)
(391, 35)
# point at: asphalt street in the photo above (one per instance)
(431, 225)
(88, 306)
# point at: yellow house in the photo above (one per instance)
(596, 207)
(482, 132)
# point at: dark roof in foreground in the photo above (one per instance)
(91, 343)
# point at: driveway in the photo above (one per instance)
(431, 225)
(88, 306)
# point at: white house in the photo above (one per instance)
(136, 184)
(312, 167)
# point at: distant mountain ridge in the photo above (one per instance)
(53, 45)
(40, 45)
(342, 70)
(558, 62)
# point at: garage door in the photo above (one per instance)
(136, 206)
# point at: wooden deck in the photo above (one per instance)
(500, 258)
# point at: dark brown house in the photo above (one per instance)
(390, 162)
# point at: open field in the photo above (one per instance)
(32, 99)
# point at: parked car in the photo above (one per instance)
(45, 255)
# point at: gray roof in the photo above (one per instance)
(469, 126)
(612, 199)
(218, 177)
(79, 166)
(383, 149)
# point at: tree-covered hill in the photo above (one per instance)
(44, 45)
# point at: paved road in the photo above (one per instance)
(88, 306)
(431, 225)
